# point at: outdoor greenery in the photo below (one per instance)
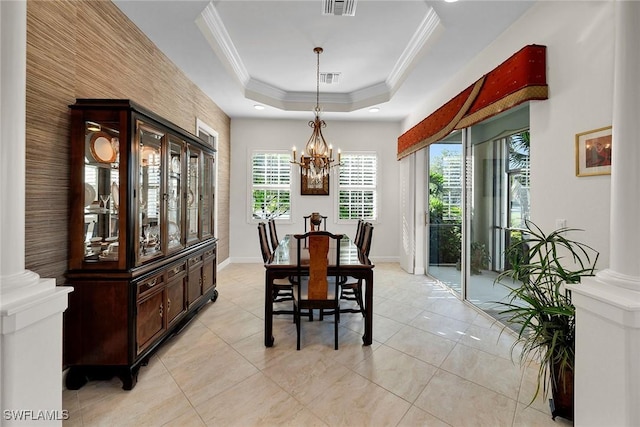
(269, 204)
(519, 144)
(356, 204)
(271, 182)
(445, 233)
(480, 257)
(539, 305)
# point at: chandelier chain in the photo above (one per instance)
(319, 162)
(318, 52)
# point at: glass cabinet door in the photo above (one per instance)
(207, 196)
(193, 194)
(150, 220)
(174, 195)
(101, 192)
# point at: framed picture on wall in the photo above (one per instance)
(309, 187)
(593, 152)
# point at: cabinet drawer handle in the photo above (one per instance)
(177, 270)
(152, 283)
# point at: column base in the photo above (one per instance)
(31, 357)
(607, 349)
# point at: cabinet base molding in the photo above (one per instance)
(79, 375)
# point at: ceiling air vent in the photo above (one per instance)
(330, 78)
(339, 7)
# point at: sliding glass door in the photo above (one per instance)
(478, 198)
(498, 206)
(444, 219)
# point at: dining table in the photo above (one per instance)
(283, 263)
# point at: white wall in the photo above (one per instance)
(250, 134)
(579, 40)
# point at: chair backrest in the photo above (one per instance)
(367, 236)
(318, 243)
(264, 242)
(308, 226)
(273, 234)
(358, 239)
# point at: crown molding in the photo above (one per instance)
(214, 30)
(212, 27)
(428, 28)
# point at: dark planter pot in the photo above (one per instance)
(562, 391)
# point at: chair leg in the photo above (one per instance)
(293, 306)
(358, 292)
(337, 320)
(297, 320)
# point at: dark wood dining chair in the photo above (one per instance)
(351, 288)
(313, 287)
(310, 227)
(273, 234)
(282, 288)
(264, 242)
(367, 236)
(358, 237)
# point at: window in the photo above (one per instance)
(210, 137)
(357, 186)
(271, 185)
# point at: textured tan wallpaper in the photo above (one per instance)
(89, 49)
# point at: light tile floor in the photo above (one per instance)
(435, 361)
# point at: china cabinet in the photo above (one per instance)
(142, 254)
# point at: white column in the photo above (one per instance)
(607, 374)
(30, 307)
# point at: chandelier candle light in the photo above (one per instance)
(318, 161)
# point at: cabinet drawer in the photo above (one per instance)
(211, 253)
(149, 285)
(176, 271)
(195, 260)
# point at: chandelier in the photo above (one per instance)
(316, 160)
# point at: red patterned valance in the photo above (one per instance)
(520, 78)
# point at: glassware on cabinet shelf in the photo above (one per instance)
(174, 192)
(104, 198)
(150, 192)
(193, 194)
(101, 173)
(206, 216)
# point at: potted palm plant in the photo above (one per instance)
(539, 306)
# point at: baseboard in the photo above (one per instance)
(256, 260)
(224, 264)
(246, 260)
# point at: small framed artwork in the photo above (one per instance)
(593, 152)
(310, 187)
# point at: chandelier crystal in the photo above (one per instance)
(317, 159)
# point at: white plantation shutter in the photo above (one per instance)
(357, 194)
(271, 185)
